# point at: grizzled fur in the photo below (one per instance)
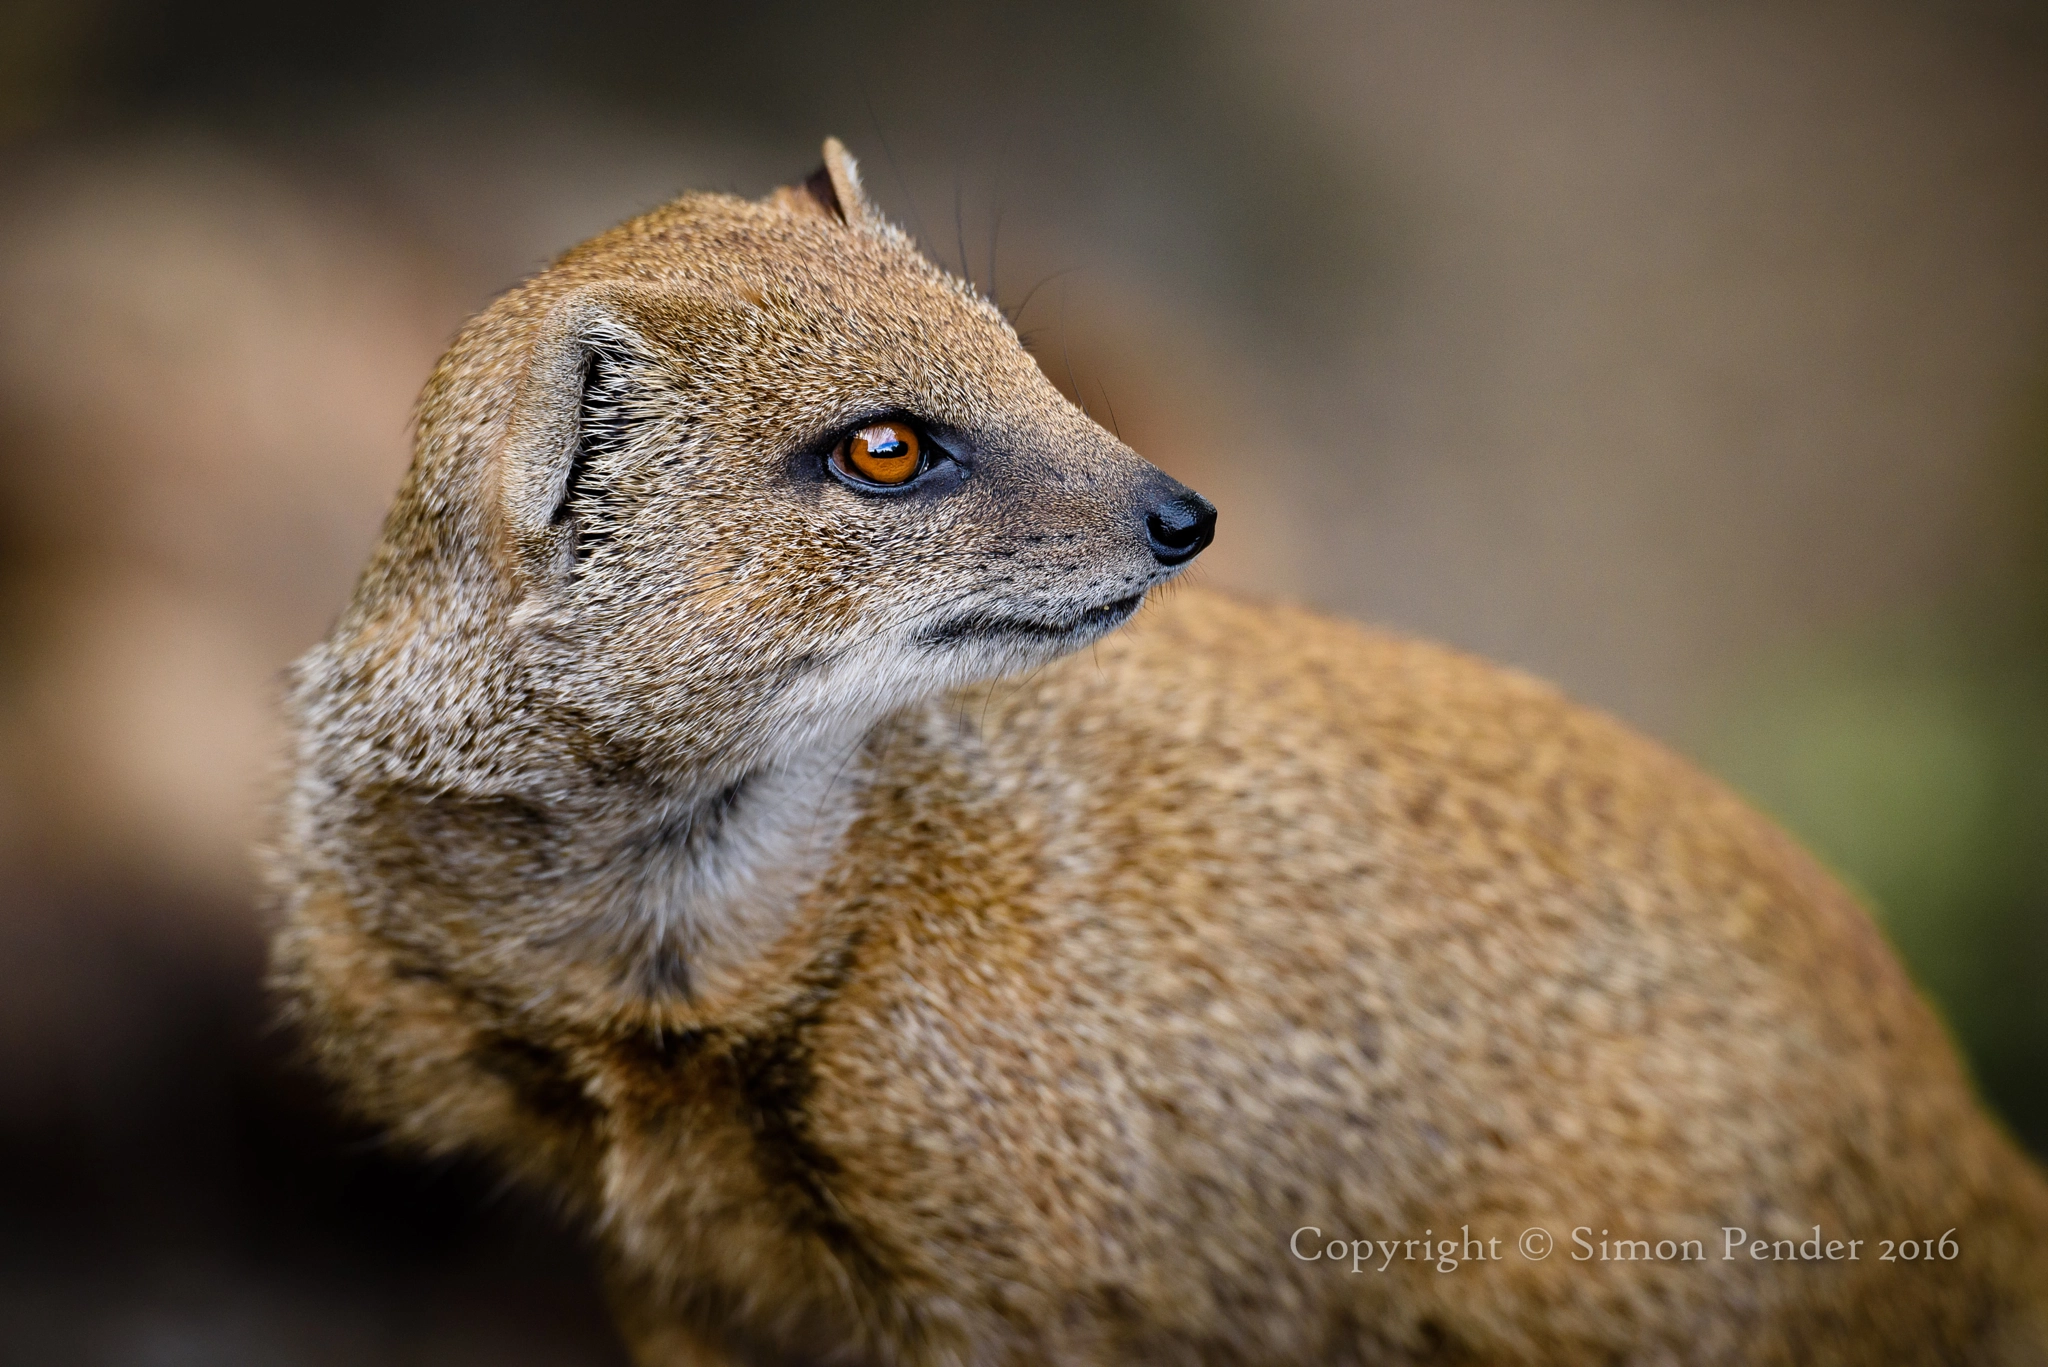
(657, 829)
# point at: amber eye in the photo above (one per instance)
(884, 453)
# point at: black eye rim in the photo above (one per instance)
(931, 454)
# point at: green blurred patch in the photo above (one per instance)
(1915, 762)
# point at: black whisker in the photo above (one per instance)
(1072, 383)
(960, 235)
(1031, 293)
(1112, 410)
(916, 218)
(995, 226)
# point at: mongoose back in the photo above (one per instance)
(706, 807)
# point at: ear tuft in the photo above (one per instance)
(833, 190)
(588, 505)
(844, 173)
(569, 429)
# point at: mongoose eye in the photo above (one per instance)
(880, 453)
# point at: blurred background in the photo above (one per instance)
(1694, 355)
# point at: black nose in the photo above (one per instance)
(1180, 526)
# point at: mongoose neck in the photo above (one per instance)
(634, 893)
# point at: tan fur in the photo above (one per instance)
(878, 997)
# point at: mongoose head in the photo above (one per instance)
(730, 479)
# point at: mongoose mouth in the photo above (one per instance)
(970, 626)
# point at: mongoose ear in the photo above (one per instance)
(560, 455)
(833, 190)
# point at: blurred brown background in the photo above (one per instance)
(1692, 354)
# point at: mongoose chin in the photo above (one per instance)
(697, 809)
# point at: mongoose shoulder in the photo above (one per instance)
(706, 807)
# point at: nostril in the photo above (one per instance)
(1180, 527)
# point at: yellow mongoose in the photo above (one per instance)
(656, 828)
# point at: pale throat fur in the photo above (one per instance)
(602, 705)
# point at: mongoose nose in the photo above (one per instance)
(1180, 526)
